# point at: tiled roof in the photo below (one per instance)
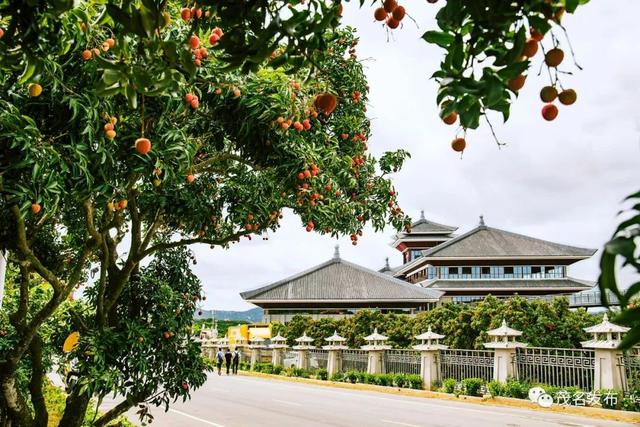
(485, 241)
(337, 279)
(489, 242)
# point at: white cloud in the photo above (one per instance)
(561, 181)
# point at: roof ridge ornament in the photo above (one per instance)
(482, 224)
(386, 264)
(336, 253)
(422, 215)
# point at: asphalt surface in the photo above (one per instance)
(240, 401)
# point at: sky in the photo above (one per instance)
(562, 181)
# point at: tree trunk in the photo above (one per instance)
(17, 411)
(75, 409)
(35, 385)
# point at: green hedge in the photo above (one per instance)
(609, 399)
(386, 380)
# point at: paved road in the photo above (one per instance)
(248, 401)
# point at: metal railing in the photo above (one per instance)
(318, 358)
(560, 367)
(461, 364)
(629, 364)
(402, 361)
(354, 360)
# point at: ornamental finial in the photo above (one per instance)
(422, 215)
(336, 254)
(482, 224)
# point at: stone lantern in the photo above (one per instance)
(429, 347)
(223, 342)
(305, 343)
(503, 341)
(255, 345)
(376, 347)
(278, 346)
(335, 347)
(605, 340)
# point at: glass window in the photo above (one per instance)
(497, 272)
(508, 272)
(444, 272)
(454, 272)
(416, 253)
(526, 271)
(536, 272)
(475, 272)
(559, 271)
(466, 272)
(486, 272)
(549, 272)
(517, 271)
(431, 272)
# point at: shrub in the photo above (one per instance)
(472, 386)
(352, 376)
(517, 389)
(299, 372)
(610, 399)
(277, 369)
(384, 380)
(496, 388)
(415, 381)
(338, 377)
(322, 374)
(400, 380)
(448, 385)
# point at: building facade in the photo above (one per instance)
(438, 266)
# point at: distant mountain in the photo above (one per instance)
(253, 315)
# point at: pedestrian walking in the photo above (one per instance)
(227, 360)
(236, 361)
(219, 359)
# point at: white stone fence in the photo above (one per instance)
(598, 365)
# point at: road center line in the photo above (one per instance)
(399, 423)
(287, 402)
(195, 418)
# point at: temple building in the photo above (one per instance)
(338, 288)
(437, 266)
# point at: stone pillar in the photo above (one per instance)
(375, 362)
(303, 347)
(302, 361)
(429, 348)
(278, 347)
(334, 355)
(277, 356)
(505, 347)
(606, 338)
(503, 365)
(376, 348)
(334, 362)
(607, 373)
(429, 368)
(255, 356)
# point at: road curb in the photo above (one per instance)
(595, 413)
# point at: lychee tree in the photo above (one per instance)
(119, 145)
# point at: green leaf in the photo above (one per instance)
(571, 5)
(439, 38)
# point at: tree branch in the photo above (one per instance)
(118, 410)
(186, 242)
(204, 165)
(28, 255)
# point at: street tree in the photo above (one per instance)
(129, 132)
